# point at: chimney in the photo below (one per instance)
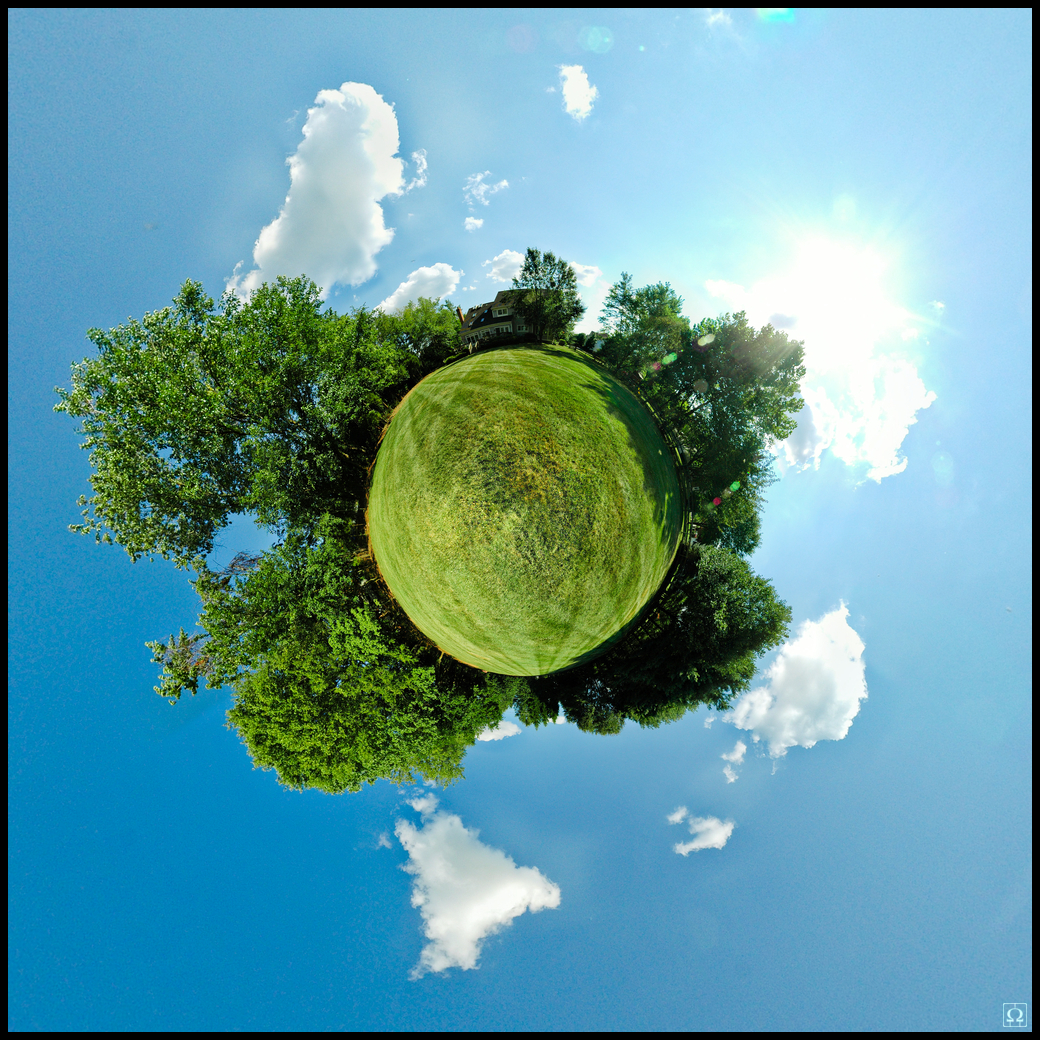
(458, 311)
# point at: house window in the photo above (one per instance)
(501, 312)
(521, 328)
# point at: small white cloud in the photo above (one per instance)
(713, 17)
(385, 842)
(586, 273)
(506, 266)
(500, 732)
(709, 720)
(464, 889)
(938, 305)
(472, 223)
(678, 816)
(578, 93)
(424, 804)
(434, 282)
(331, 224)
(814, 688)
(419, 180)
(734, 758)
(709, 833)
(476, 190)
(561, 720)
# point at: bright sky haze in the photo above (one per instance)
(848, 847)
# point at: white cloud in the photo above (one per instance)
(331, 224)
(561, 720)
(425, 804)
(814, 688)
(709, 720)
(472, 223)
(500, 732)
(734, 758)
(506, 266)
(713, 17)
(464, 889)
(578, 93)
(709, 832)
(419, 180)
(586, 273)
(476, 190)
(861, 396)
(384, 841)
(435, 282)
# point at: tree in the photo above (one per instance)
(191, 415)
(698, 644)
(333, 688)
(430, 332)
(545, 294)
(724, 394)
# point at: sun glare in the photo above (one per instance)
(835, 298)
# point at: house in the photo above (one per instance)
(490, 321)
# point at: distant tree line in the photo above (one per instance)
(274, 408)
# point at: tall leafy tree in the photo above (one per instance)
(724, 392)
(545, 294)
(194, 414)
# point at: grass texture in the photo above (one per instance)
(523, 509)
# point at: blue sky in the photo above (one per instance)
(861, 178)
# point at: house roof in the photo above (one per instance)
(481, 315)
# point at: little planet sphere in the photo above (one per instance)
(523, 509)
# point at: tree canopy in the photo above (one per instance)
(274, 408)
(545, 294)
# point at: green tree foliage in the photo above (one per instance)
(724, 393)
(698, 644)
(192, 415)
(333, 687)
(429, 331)
(275, 407)
(545, 294)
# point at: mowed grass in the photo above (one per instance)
(523, 509)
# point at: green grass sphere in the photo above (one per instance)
(523, 509)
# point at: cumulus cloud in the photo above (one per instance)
(435, 282)
(734, 758)
(709, 832)
(476, 190)
(472, 223)
(578, 92)
(861, 395)
(464, 889)
(586, 273)
(506, 266)
(500, 732)
(813, 689)
(331, 224)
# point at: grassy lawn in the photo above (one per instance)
(523, 509)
